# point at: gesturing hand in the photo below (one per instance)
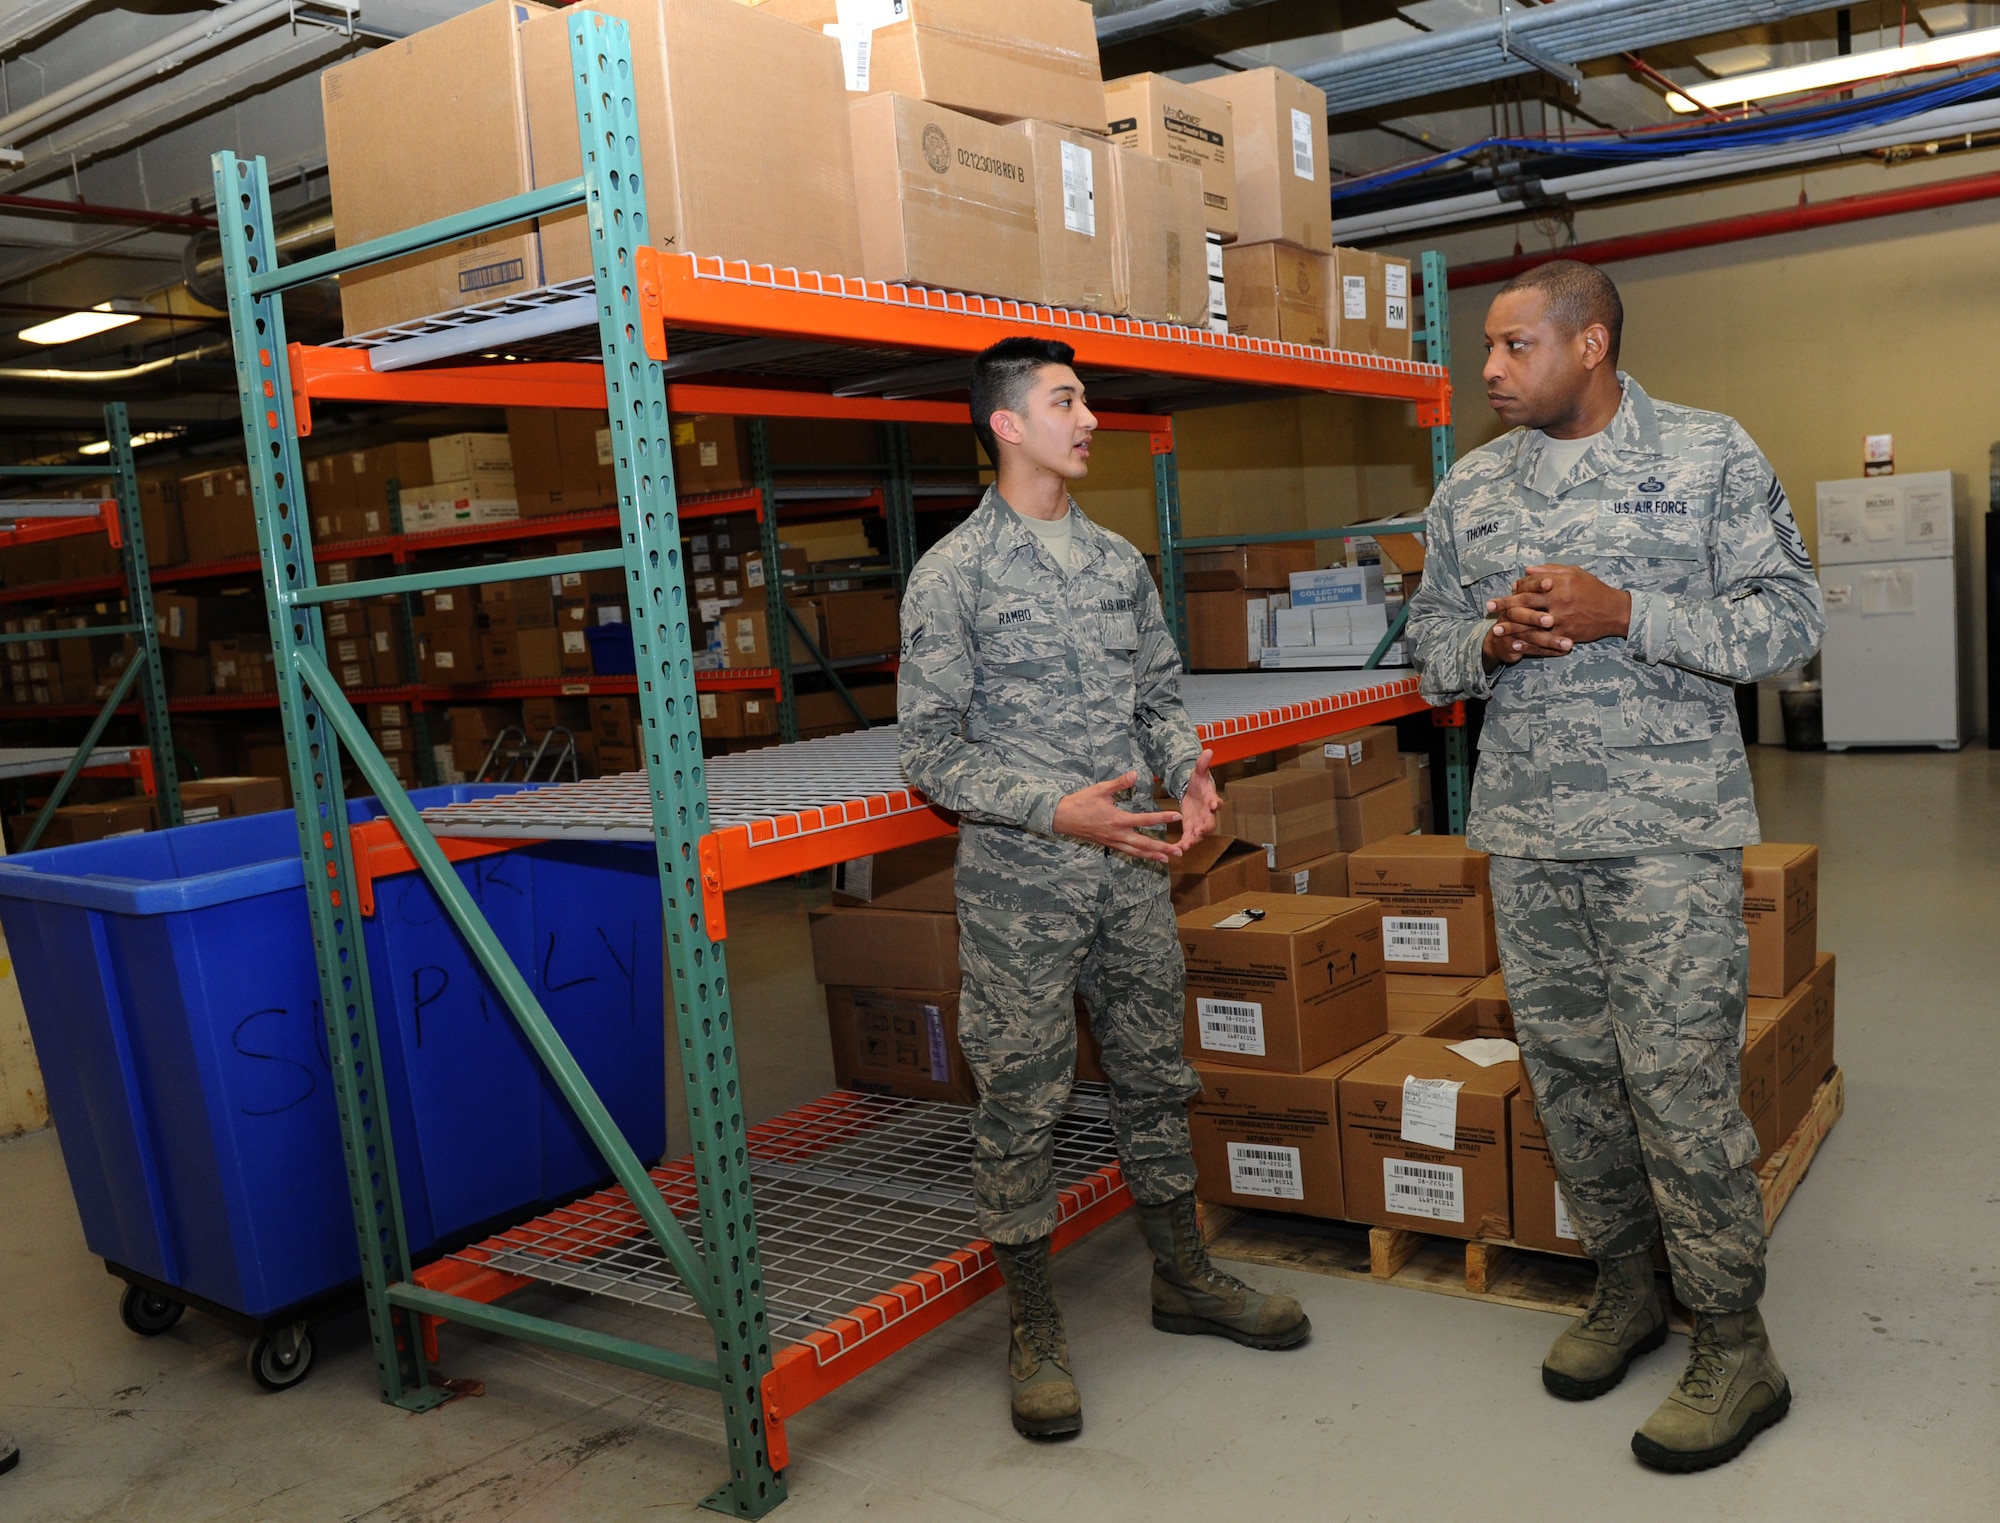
(1199, 804)
(1092, 814)
(1565, 602)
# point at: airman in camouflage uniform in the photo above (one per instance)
(1035, 670)
(1615, 796)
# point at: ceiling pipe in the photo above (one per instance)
(1151, 16)
(210, 32)
(1701, 235)
(91, 211)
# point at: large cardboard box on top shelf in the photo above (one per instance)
(1026, 59)
(1781, 911)
(1276, 291)
(1286, 992)
(946, 199)
(1271, 1141)
(1160, 260)
(1437, 902)
(1368, 303)
(744, 124)
(454, 88)
(1464, 1190)
(1155, 115)
(1279, 124)
(1075, 213)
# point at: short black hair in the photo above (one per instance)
(1578, 295)
(1001, 376)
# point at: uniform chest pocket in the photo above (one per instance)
(1653, 529)
(1121, 633)
(1020, 641)
(1487, 547)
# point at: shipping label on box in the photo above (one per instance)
(1424, 1140)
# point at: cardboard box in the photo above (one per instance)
(918, 877)
(1541, 1215)
(233, 797)
(559, 466)
(615, 721)
(1252, 568)
(1437, 901)
(1075, 213)
(1216, 868)
(1759, 1090)
(1440, 1015)
(711, 453)
(1291, 814)
(75, 823)
(1276, 291)
(217, 518)
(160, 516)
(1219, 634)
(1155, 115)
(1160, 257)
(1279, 127)
(1464, 1190)
(1357, 761)
(1457, 985)
(1781, 911)
(946, 199)
(185, 622)
(746, 635)
(1804, 1024)
(1376, 815)
(455, 88)
(737, 716)
(456, 456)
(897, 949)
(1417, 772)
(860, 623)
(1354, 295)
(1325, 876)
(743, 119)
(1285, 993)
(379, 477)
(899, 1042)
(1027, 59)
(1393, 333)
(1271, 1141)
(450, 656)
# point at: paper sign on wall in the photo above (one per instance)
(1888, 590)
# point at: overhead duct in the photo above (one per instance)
(1656, 174)
(1145, 17)
(1547, 37)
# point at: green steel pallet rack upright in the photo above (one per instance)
(725, 1279)
(144, 668)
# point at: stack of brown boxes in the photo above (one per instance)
(1284, 995)
(1365, 773)
(562, 461)
(228, 798)
(471, 482)
(519, 639)
(354, 494)
(450, 648)
(217, 519)
(1791, 983)
(1276, 273)
(393, 727)
(1229, 594)
(75, 823)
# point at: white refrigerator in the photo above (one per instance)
(1889, 671)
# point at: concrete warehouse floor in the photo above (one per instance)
(1882, 1303)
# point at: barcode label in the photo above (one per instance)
(754, 573)
(1271, 856)
(1354, 298)
(1302, 881)
(1231, 1026)
(1302, 145)
(1079, 172)
(1433, 1190)
(855, 45)
(1415, 938)
(1265, 1171)
(855, 879)
(1563, 1229)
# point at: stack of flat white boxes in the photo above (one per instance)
(1333, 617)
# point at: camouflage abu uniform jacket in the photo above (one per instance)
(1623, 746)
(1020, 685)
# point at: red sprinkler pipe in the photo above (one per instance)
(91, 211)
(1701, 235)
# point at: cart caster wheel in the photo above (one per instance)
(278, 1361)
(147, 1312)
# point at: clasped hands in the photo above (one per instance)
(1551, 611)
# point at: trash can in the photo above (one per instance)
(1802, 706)
(173, 999)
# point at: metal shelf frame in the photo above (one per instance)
(120, 520)
(830, 347)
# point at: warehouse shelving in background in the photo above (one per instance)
(689, 1237)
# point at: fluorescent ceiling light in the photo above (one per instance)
(1831, 73)
(103, 446)
(67, 330)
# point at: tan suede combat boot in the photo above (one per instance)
(1624, 1320)
(1045, 1401)
(1190, 1295)
(1731, 1391)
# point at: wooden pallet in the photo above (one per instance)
(1502, 1272)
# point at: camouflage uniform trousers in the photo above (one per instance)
(1021, 969)
(1627, 979)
